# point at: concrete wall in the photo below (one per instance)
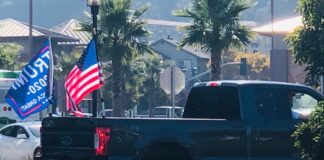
(279, 60)
(283, 67)
(279, 65)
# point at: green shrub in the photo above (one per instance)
(309, 136)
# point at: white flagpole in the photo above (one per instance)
(51, 72)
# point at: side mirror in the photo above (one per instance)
(21, 136)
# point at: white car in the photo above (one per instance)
(20, 141)
(166, 111)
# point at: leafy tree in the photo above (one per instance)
(152, 93)
(9, 53)
(258, 62)
(215, 27)
(133, 81)
(120, 28)
(307, 42)
(258, 65)
(309, 136)
(65, 62)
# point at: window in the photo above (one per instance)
(302, 105)
(10, 131)
(213, 102)
(185, 64)
(21, 130)
(278, 103)
(272, 103)
(35, 130)
(13, 131)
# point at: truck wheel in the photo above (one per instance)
(166, 152)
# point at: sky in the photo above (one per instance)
(49, 13)
(43, 11)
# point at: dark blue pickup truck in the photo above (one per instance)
(228, 120)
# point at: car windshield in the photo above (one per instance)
(35, 130)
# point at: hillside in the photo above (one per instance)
(48, 13)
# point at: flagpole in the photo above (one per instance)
(51, 73)
(71, 100)
(102, 101)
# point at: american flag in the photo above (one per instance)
(85, 77)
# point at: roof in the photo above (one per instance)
(13, 28)
(249, 82)
(73, 28)
(26, 123)
(282, 27)
(181, 24)
(192, 50)
(168, 107)
(166, 23)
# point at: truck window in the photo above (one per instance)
(272, 103)
(302, 104)
(221, 102)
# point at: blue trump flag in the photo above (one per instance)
(29, 93)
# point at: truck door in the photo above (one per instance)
(279, 110)
(224, 133)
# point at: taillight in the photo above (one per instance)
(101, 141)
(4, 108)
(213, 84)
(9, 109)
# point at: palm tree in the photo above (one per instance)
(120, 30)
(215, 28)
(152, 93)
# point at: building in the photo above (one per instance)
(190, 60)
(72, 28)
(13, 31)
(282, 62)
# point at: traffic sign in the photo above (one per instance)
(166, 80)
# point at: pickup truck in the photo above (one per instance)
(228, 120)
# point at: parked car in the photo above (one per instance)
(166, 111)
(20, 141)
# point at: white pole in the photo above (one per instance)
(102, 103)
(173, 90)
(51, 73)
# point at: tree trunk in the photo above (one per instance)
(117, 104)
(215, 64)
(152, 97)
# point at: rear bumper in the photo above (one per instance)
(49, 153)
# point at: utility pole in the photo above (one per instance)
(272, 20)
(30, 26)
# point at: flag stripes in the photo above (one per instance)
(84, 78)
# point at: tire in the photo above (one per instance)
(37, 154)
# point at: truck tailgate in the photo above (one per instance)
(68, 138)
